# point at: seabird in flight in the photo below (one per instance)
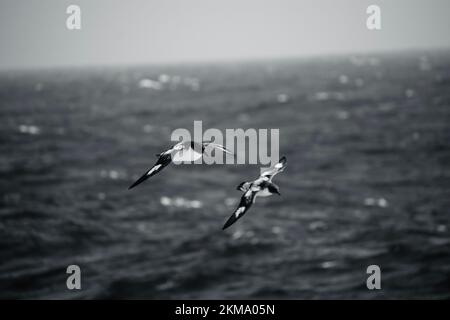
(262, 187)
(181, 152)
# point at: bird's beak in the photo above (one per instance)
(278, 193)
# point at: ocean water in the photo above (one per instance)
(367, 140)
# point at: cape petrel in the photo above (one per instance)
(261, 187)
(181, 152)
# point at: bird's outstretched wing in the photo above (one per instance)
(248, 198)
(279, 167)
(192, 151)
(163, 160)
(217, 146)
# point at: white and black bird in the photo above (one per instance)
(181, 152)
(261, 187)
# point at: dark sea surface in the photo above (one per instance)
(367, 140)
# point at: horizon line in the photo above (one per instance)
(218, 61)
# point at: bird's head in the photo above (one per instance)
(178, 146)
(243, 186)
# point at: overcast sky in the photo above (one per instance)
(33, 33)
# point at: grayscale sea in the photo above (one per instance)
(367, 138)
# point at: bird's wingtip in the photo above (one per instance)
(229, 222)
(139, 181)
(132, 186)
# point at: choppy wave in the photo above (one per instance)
(367, 138)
